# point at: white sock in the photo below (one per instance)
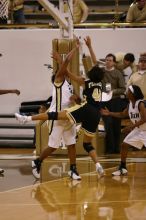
(29, 118)
(98, 164)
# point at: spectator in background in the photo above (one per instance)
(137, 12)
(139, 77)
(113, 125)
(125, 60)
(80, 11)
(16, 9)
(7, 91)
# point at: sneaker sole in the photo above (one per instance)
(71, 176)
(121, 174)
(37, 177)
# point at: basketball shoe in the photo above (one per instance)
(36, 166)
(100, 170)
(22, 118)
(74, 174)
(121, 171)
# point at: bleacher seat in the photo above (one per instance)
(99, 11)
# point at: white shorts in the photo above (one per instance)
(136, 138)
(62, 131)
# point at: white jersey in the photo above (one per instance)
(137, 137)
(134, 114)
(61, 96)
(61, 130)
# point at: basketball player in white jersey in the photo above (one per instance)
(137, 130)
(61, 130)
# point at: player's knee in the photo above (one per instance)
(88, 147)
(52, 115)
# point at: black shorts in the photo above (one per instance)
(87, 115)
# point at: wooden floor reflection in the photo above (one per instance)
(108, 198)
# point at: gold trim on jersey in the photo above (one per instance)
(88, 133)
(58, 98)
(71, 109)
(50, 126)
(58, 87)
(73, 121)
(75, 107)
(58, 84)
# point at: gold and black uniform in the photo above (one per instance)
(88, 113)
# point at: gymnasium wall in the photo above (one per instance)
(25, 51)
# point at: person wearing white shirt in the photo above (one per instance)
(139, 78)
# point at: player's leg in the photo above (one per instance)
(53, 144)
(122, 170)
(87, 144)
(89, 127)
(44, 116)
(36, 164)
(135, 139)
(69, 139)
(73, 173)
(89, 117)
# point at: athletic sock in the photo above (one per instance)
(29, 118)
(73, 167)
(123, 164)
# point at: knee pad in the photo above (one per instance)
(88, 147)
(52, 115)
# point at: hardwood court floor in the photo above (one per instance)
(108, 198)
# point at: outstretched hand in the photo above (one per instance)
(57, 57)
(16, 91)
(87, 41)
(105, 112)
(127, 129)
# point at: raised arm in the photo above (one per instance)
(78, 79)
(91, 51)
(7, 91)
(57, 57)
(64, 64)
(89, 45)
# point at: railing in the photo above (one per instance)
(110, 25)
(83, 25)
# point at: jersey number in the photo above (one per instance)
(96, 95)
